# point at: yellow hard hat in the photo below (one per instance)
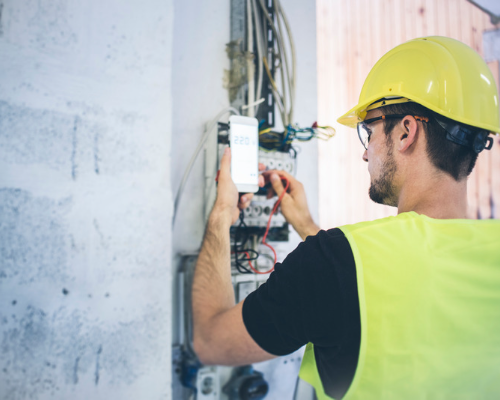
(437, 72)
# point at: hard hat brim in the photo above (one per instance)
(358, 114)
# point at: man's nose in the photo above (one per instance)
(365, 156)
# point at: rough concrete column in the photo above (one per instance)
(85, 199)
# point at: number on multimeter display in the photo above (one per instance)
(243, 140)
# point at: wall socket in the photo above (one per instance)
(207, 384)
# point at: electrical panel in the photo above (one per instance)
(238, 54)
(193, 381)
(256, 216)
(258, 66)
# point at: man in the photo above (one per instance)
(405, 307)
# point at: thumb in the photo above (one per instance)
(276, 183)
(225, 162)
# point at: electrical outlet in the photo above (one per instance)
(207, 384)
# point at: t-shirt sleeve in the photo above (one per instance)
(304, 298)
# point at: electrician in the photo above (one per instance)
(404, 307)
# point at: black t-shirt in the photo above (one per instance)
(312, 297)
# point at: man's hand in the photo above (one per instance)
(228, 201)
(219, 334)
(294, 203)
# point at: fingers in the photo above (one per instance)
(245, 201)
(276, 183)
(290, 178)
(281, 174)
(262, 167)
(262, 181)
(294, 185)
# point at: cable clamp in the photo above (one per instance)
(255, 103)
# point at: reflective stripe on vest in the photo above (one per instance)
(429, 295)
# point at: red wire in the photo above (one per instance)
(251, 266)
(267, 231)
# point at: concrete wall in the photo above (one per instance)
(91, 96)
(491, 45)
(85, 199)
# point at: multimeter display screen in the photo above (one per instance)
(244, 154)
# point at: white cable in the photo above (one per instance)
(291, 81)
(250, 60)
(279, 42)
(278, 101)
(258, 38)
(255, 103)
(290, 40)
(274, 90)
(283, 109)
(285, 71)
(202, 141)
(283, 66)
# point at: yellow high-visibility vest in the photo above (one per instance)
(429, 297)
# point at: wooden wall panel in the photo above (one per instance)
(352, 36)
(494, 167)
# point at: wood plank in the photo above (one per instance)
(495, 154)
(420, 18)
(465, 34)
(357, 33)
(441, 24)
(482, 170)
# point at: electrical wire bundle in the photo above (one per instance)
(271, 140)
(236, 247)
(282, 58)
(239, 247)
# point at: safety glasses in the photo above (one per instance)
(364, 132)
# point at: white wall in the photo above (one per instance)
(85, 199)
(201, 30)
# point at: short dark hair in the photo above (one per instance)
(454, 159)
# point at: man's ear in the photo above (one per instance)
(409, 133)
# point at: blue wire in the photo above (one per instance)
(291, 135)
(288, 130)
(305, 139)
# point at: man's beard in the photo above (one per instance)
(382, 190)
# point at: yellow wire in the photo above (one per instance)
(269, 74)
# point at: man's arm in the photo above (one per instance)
(294, 203)
(219, 334)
